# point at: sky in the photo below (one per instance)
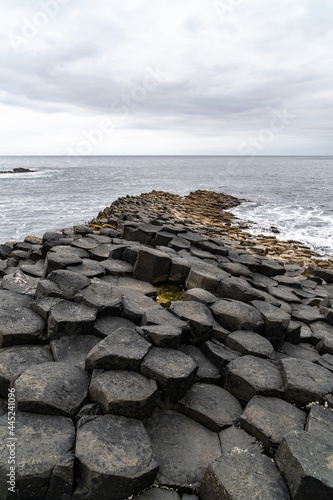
(166, 77)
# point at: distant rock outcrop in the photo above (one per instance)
(19, 170)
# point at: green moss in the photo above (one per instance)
(167, 293)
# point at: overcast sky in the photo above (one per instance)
(166, 77)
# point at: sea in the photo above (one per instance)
(291, 194)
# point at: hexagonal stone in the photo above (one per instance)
(182, 447)
(102, 252)
(152, 265)
(305, 381)
(238, 289)
(305, 463)
(159, 316)
(60, 257)
(200, 295)
(70, 318)
(136, 304)
(162, 335)
(109, 324)
(52, 388)
(20, 282)
(199, 317)
(234, 437)
(73, 349)
(114, 455)
(219, 354)
(174, 371)
(243, 474)
(276, 321)
(249, 376)
(69, 282)
(205, 276)
(144, 287)
(20, 325)
(247, 342)
(107, 299)
(270, 419)
(14, 360)
(325, 346)
(117, 267)
(301, 351)
(43, 305)
(160, 494)
(122, 350)
(320, 423)
(284, 293)
(89, 268)
(207, 372)
(270, 267)
(211, 406)
(44, 462)
(124, 393)
(306, 314)
(320, 330)
(235, 315)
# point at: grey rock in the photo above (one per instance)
(238, 289)
(14, 360)
(159, 316)
(179, 270)
(159, 494)
(249, 376)
(219, 333)
(144, 287)
(306, 314)
(173, 371)
(85, 243)
(237, 269)
(198, 316)
(117, 267)
(219, 354)
(270, 419)
(113, 454)
(182, 447)
(304, 381)
(276, 322)
(243, 474)
(73, 349)
(162, 335)
(89, 268)
(152, 266)
(136, 304)
(305, 464)
(320, 423)
(247, 342)
(320, 330)
(44, 460)
(60, 257)
(325, 346)
(179, 244)
(20, 325)
(19, 282)
(109, 324)
(52, 388)
(234, 315)
(211, 406)
(200, 295)
(102, 251)
(233, 437)
(123, 349)
(69, 282)
(207, 373)
(302, 351)
(284, 293)
(70, 318)
(204, 276)
(270, 267)
(124, 393)
(107, 299)
(43, 305)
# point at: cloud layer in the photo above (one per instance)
(166, 77)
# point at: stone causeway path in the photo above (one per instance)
(226, 394)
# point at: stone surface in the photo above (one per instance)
(204, 276)
(243, 474)
(69, 282)
(238, 289)
(20, 325)
(320, 423)
(211, 406)
(200, 295)
(305, 463)
(160, 494)
(123, 393)
(106, 325)
(114, 455)
(235, 315)
(198, 316)
(247, 342)
(306, 314)
(182, 447)
(106, 298)
(70, 318)
(162, 335)
(304, 381)
(137, 285)
(249, 376)
(73, 349)
(219, 354)
(173, 371)
(152, 266)
(235, 437)
(117, 267)
(89, 268)
(44, 460)
(276, 322)
(123, 349)
(52, 388)
(270, 419)
(207, 372)
(19, 282)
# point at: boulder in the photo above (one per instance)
(52, 388)
(199, 318)
(152, 266)
(246, 342)
(114, 455)
(234, 315)
(305, 463)
(320, 423)
(70, 318)
(73, 349)
(123, 393)
(20, 325)
(107, 299)
(173, 371)
(182, 447)
(276, 322)
(162, 335)
(44, 460)
(107, 325)
(19, 282)
(207, 372)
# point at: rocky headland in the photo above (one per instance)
(18, 170)
(225, 392)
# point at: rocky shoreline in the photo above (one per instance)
(225, 394)
(18, 170)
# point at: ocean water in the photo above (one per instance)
(292, 194)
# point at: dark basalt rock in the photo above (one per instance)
(320, 423)
(247, 342)
(20, 325)
(162, 494)
(219, 354)
(19, 282)
(152, 266)
(114, 455)
(182, 448)
(107, 325)
(276, 322)
(162, 335)
(73, 349)
(198, 316)
(234, 315)
(207, 372)
(107, 299)
(135, 305)
(70, 318)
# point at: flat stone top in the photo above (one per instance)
(169, 362)
(122, 384)
(257, 371)
(14, 360)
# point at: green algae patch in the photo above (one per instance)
(168, 293)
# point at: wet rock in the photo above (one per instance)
(243, 474)
(114, 454)
(70, 318)
(249, 376)
(173, 371)
(74, 349)
(109, 324)
(200, 295)
(211, 406)
(247, 342)
(305, 381)
(19, 282)
(14, 360)
(152, 266)
(104, 297)
(207, 372)
(234, 315)
(124, 393)
(276, 322)
(52, 388)
(305, 464)
(182, 447)
(123, 349)
(162, 335)
(270, 419)
(198, 316)
(45, 463)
